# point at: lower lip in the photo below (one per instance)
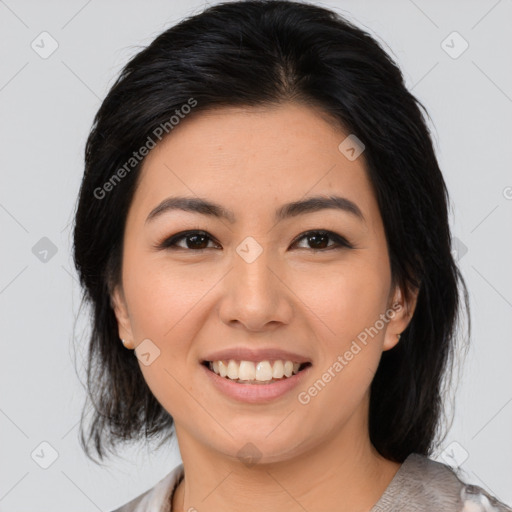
(256, 393)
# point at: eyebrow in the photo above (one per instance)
(288, 210)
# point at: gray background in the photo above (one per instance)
(46, 110)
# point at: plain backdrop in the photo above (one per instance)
(47, 103)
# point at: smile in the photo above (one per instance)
(258, 384)
(261, 372)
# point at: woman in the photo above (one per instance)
(263, 224)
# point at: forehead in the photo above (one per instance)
(251, 158)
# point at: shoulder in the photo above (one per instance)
(422, 484)
(157, 498)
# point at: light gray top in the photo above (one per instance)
(420, 485)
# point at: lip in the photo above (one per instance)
(255, 393)
(247, 354)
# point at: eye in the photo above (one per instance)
(198, 241)
(194, 240)
(319, 240)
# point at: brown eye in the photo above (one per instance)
(319, 240)
(193, 240)
(198, 241)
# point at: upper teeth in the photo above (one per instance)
(248, 370)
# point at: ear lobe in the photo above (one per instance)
(118, 304)
(400, 312)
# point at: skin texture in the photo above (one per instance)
(316, 456)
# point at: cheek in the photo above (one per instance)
(352, 305)
(162, 298)
(165, 307)
(349, 350)
(347, 299)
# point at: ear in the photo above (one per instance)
(118, 303)
(399, 314)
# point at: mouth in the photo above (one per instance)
(255, 373)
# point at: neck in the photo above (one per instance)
(342, 473)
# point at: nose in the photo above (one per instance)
(255, 295)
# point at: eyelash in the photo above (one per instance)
(339, 241)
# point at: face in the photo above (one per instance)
(311, 285)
